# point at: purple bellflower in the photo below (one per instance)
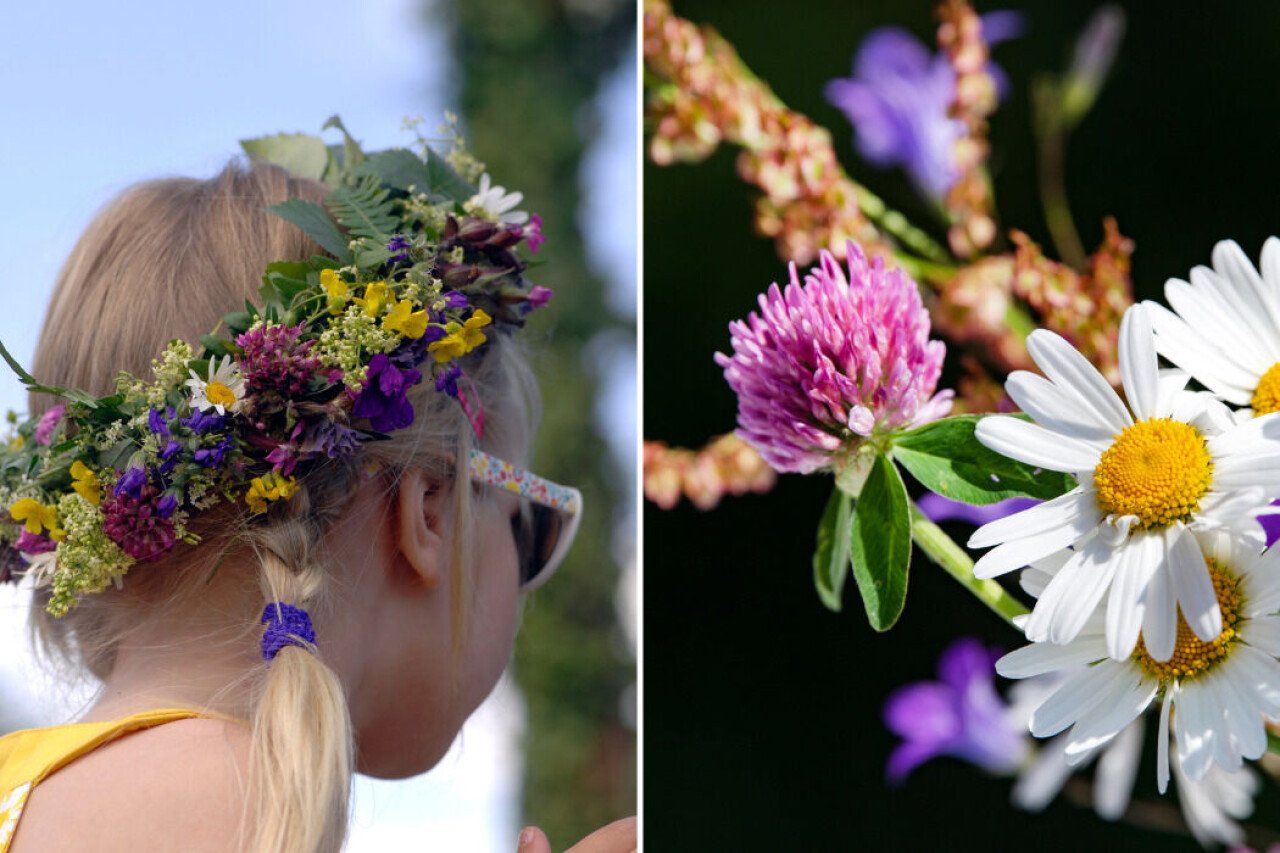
(897, 101)
(960, 715)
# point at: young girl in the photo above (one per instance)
(299, 555)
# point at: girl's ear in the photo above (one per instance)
(423, 506)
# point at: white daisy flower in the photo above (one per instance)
(1217, 695)
(494, 202)
(224, 389)
(1150, 472)
(1226, 329)
(1211, 806)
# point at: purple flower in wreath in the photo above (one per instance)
(48, 423)
(447, 380)
(898, 98)
(211, 457)
(34, 543)
(131, 482)
(533, 233)
(159, 423)
(383, 399)
(275, 358)
(137, 521)
(202, 422)
(329, 438)
(169, 456)
(399, 246)
(284, 456)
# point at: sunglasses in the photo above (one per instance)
(548, 518)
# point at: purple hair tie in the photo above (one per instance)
(286, 626)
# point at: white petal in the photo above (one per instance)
(1254, 436)
(1199, 304)
(1078, 695)
(1262, 673)
(1194, 734)
(1040, 658)
(1162, 743)
(1118, 767)
(1247, 296)
(1126, 603)
(1271, 269)
(1240, 709)
(1068, 369)
(1263, 632)
(1121, 706)
(1051, 406)
(1035, 445)
(1063, 511)
(1213, 367)
(1073, 594)
(1139, 367)
(1193, 588)
(1040, 783)
(1171, 393)
(1160, 616)
(1021, 552)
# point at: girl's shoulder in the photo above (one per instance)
(138, 790)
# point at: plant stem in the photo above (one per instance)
(951, 557)
(1051, 141)
(893, 222)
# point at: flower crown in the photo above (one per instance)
(421, 268)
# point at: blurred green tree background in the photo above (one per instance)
(529, 71)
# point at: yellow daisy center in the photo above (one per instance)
(1266, 399)
(1192, 655)
(219, 394)
(1157, 470)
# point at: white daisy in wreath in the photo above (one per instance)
(1225, 326)
(493, 202)
(1149, 472)
(1216, 695)
(222, 391)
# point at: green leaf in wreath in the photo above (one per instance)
(947, 458)
(365, 210)
(397, 168)
(880, 544)
(445, 181)
(303, 155)
(316, 223)
(831, 557)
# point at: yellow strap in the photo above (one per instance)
(30, 755)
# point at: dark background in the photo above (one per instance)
(761, 708)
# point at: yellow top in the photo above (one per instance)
(30, 755)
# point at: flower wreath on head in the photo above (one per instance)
(421, 267)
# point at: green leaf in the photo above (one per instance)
(947, 458)
(397, 168)
(316, 224)
(23, 377)
(372, 257)
(1273, 743)
(352, 156)
(215, 346)
(303, 155)
(831, 558)
(880, 544)
(365, 210)
(445, 181)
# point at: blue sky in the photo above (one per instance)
(99, 96)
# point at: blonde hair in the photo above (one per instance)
(167, 259)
